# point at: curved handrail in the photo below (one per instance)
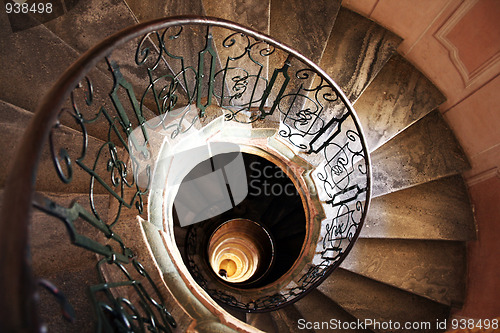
(17, 302)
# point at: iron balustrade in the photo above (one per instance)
(179, 72)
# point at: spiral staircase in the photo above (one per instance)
(408, 260)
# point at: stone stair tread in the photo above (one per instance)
(253, 14)
(319, 313)
(128, 228)
(191, 38)
(432, 269)
(89, 22)
(367, 299)
(52, 251)
(303, 25)
(88, 32)
(46, 58)
(145, 11)
(307, 33)
(74, 285)
(287, 320)
(438, 210)
(425, 151)
(356, 51)
(12, 125)
(36, 58)
(398, 96)
(262, 321)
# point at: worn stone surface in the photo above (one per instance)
(287, 320)
(396, 98)
(425, 151)
(90, 22)
(436, 210)
(356, 51)
(13, 122)
(303, 25)
(70, 268)
(129, 229)
(74, 285)
(253, 14)
(432, 269)
(262, 321)
(35, 58)
(317, 307)
(190, 38)
(367, 299)
(149, 10)
(32, 60)
(51, 243)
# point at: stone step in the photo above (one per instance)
(253, 14)
(145, 11)
(356, 51)
(306, 27)
(154, 9)
(432, 269)
(369, 300)
(80, 29)
(189, 42)
(130, 230)
(287, 320)
(262, 321)
(89, 22)
(34, 58)
(398, 96)
(13, 122)
(303, 25)
(425, 151)
(438, 210)
(46, 58)
(50, 243)
(75, 287)
(321, 314)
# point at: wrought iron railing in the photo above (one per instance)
(168, 77)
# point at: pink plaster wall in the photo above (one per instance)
(482, 300)
(456, 43)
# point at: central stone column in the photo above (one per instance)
(240, 251)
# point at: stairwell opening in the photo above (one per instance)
(268, 226)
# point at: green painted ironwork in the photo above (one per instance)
(179, 93)
(286, 79)
(208, 50)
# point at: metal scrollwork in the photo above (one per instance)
(192, 70)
